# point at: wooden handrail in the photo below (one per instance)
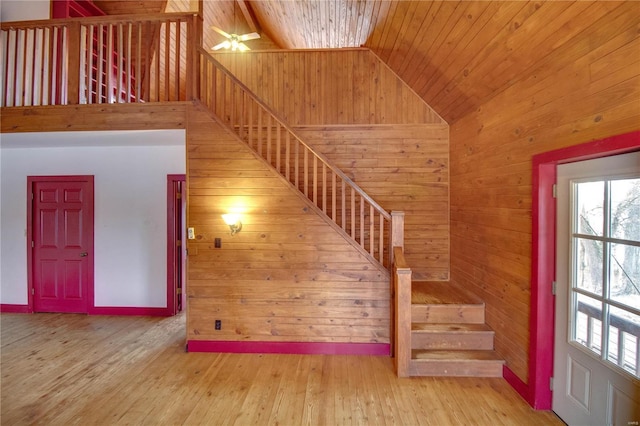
(95, 20)
(402, 312)
(328, 187)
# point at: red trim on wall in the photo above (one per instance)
(316, 348)
(129, 311)
(542, 319)
(15, 309)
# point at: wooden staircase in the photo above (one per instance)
(449, 336)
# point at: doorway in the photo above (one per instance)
(60, 236)
(597, 315)
(537, 391)
(176, 237)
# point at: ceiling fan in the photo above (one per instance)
(234, 41)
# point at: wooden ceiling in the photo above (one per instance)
(454, 54)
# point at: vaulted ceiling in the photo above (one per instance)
(454, 54)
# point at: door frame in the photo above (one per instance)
(541, 331)
(90, 290)
(172, 238)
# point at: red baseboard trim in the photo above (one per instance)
(308, 348)
(14, 309)
(516, 383)
(126, 311)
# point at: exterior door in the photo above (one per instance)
(597, 332)
(62, 243)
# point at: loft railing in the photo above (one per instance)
(105, 59)
(330, 190)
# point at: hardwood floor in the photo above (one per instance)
(63, 369)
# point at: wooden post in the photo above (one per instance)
(73, 66)
(194, 41)
(402, 314)
(397, 233)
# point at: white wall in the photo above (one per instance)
(130, 172)
(24, 10)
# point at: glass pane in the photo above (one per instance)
(587, 316)
(625, 274)
(590, 196)
(624, 329)
(589, 265)
(625, 209)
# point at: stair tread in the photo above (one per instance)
(423, 327)
(441, 293)
(448, 356)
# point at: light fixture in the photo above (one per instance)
(233, 220)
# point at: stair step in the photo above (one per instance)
(451, 336)
(441, 293)
(448, 313)
(455, 363)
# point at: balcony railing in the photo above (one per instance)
(624, 338)
(105, 59)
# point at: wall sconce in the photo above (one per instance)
(233, 220)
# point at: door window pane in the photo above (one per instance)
(589, 265)
(624, 329)
(588, 321)
(625, 275)
(590, 199)
(625, 209)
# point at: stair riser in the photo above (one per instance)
(453, 341)
(435, 314)
(470, 368)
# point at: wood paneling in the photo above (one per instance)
(587, 87)
(404, 168)
(349, 86)
(94, 117)
(287, 276)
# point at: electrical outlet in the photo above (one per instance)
(218, 325)
(191, 233)
(217, 243)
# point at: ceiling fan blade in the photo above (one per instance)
(224, 45)
(219, 31)
(250, 36)
(243, 47)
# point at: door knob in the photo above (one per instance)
(84, 254)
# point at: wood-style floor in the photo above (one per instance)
(62, 369)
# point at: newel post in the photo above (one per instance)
(73, 65)
(397, 232)
(402, 313)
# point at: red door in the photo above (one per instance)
(62, 243)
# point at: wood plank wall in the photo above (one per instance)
(66, 118)
(287, 276)
(586, 88)
(352, 108)
(404, 168)
(312, 87)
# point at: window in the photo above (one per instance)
(605, 273)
